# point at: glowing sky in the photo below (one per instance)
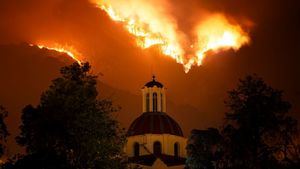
(195, 99)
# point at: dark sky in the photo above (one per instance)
(195, 99)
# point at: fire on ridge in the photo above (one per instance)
(155, 26)
(69, 50)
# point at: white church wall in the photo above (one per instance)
(146, 144)
(161, 98)
(158, 164)
(146, 141)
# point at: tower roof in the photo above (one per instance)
(154, 83)
(154, 123)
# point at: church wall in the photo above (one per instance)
(158, 164)
(146, 144)
(161, 104)
(146, 141)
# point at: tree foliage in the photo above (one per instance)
(258, 133)
(3, 130)
(71, 125)
(203, 148)
(258, 127)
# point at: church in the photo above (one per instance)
(154, 139)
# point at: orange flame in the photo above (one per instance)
(69, 50)
(215, 34)
(151, 24)
(150, 27)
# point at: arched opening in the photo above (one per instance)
(147, 102)
(176, 149)
(154, 102)
(157, 148)
(136, 149)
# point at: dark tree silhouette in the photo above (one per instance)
(258, 133)
(203, 149)
(258, 128)
(3, 130)
(71, 128)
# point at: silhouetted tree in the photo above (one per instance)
(258, 127)
(43, 160)
(258, 133)
(3, 130)
(203, 149)
(70, 127)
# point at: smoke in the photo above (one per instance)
(113, 51)
(164, 23)
(66, 22)
(152, 24)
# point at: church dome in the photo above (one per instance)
(154, 83)
(154, 123)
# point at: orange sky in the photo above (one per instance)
(195, 99)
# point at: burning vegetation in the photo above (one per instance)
(151, 24)
(69, 50)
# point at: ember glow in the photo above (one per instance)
(151, 24)
(215, 34)
(69, 50)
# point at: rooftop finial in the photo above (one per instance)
(153, 83)
(153, 77)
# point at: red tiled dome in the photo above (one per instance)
(154, 123)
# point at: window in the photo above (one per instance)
(147, 102)
(154, 102)
(136, 149)
(157, 148)
(176, 150)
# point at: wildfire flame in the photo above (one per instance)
(151, 24)
(148, 26)
(69, 50)
(215, 34)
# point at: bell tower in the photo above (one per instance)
(154, 96)
(154, 139)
